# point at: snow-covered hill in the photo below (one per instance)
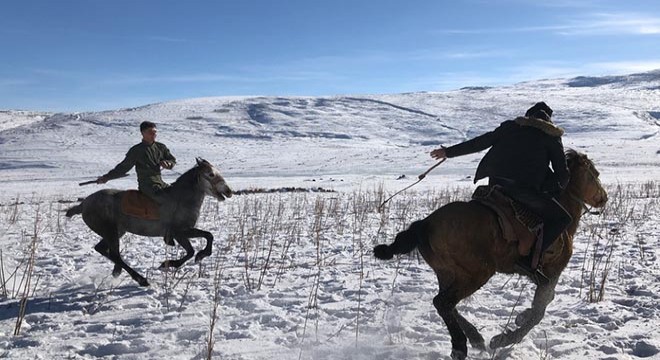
(258, 137)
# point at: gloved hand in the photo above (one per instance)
(101, 180)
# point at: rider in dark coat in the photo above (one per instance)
(518, 159)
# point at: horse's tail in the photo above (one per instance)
(74, 210)
(404, 242)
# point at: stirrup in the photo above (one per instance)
(540, 278)
(537, 276)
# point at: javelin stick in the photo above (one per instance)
(420, 178)
(94, 181)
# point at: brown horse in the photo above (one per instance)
(463, 244)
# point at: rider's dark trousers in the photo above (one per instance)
(555, 217)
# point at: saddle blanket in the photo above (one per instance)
(134, 203)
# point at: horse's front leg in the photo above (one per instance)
(209, 242)
(183, 238)
(529, 318)
(184, 241)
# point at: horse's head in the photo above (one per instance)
(584, 179)
(211, 181)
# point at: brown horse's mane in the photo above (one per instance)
(573, 155)
(574, 161)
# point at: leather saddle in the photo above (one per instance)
(518, 224)
(136, 204)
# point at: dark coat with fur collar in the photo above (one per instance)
(521, 150)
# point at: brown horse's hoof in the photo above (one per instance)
(500, 340)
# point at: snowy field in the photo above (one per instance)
(292, 275)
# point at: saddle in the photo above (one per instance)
(134, 203)
(518, 224)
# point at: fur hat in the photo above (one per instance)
(540, 110)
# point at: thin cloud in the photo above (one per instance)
(253, 78)
(186, 78)
(350, 62)
(14, 82)
(614, 24)
(592, 24)
(545, 70)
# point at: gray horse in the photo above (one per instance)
(178, 216)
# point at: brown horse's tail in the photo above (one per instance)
(405, 241)
(74, 210)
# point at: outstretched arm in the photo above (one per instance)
(479, 143)
(119, 170)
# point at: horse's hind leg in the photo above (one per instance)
(476, 340)
(102, 248)
(109, 247)
(445, 303)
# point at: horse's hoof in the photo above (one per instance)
(481, 346)
(383, 252)
(200, 255)
(143, 282)
(458, 354)
(116, 273)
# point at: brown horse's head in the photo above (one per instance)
(213, 183)
(584, 179)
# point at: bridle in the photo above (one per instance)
(213, 181)
(585, 207)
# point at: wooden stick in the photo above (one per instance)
(420, 178)
(94, 181)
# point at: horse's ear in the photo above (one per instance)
(202, 162)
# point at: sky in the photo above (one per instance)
(92, 55)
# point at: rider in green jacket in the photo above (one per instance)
(148, 157)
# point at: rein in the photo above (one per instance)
(586, 209)
(420, 178)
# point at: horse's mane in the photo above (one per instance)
(577, 162)
(186, 180)
(573, 157)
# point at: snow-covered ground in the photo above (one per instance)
(292, 275)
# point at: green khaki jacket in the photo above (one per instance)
(146, 159)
